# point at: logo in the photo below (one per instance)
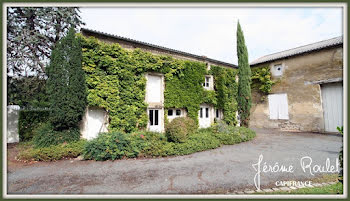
(306, 165)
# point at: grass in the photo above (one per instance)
(329, 189)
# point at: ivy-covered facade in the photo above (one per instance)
(142, 89)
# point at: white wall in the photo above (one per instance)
(95, 121)
(12, 123)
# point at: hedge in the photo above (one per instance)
(29, 120)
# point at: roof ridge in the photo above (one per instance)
(303, 46)
(158, 46)
(299, 50)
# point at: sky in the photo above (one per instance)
(211, 32)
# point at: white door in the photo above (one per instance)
(96, 122)
(204, 116)
(332, 101)
(153, 89)
(154, 120)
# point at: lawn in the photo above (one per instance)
(328, 189)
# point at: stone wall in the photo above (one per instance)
(300, 80)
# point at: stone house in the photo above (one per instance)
(96, 120)
(308, 94)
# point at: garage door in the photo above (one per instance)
(332, 100)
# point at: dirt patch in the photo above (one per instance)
(12, 163)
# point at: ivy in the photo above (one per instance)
(186, 90)
(116, 82)
(261, 80)
(226, 89)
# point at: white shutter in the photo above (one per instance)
(278, 106)
(153, 89)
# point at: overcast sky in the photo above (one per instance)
(212, 31)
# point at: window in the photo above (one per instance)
(207, 81)
(277, 70)
(278, 106)
(201, 113)
(217, 113)
(170, 112)
(178, 112)
(156, 117)
(153, 117)
(207, 112)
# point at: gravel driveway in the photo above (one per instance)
(223, 169)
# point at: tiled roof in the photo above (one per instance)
(160, 47)
(299, 50)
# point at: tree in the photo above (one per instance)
(66, 83)
(244, 98)
(27, 92)
(32, 34)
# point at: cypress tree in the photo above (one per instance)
(66, 83)
(244, 74)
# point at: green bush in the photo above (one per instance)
(231, 134)
(156, 144)
(52, 153)
(191, 125)
(179, 129)
(45, 135)
(28, 120)
(195, 143)
(114, 145)
(340, 129)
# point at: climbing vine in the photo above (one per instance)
(261, 80)
(226, 88)
(116, 82)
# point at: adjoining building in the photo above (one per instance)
(308, 94)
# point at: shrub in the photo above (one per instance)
(231, 134)
(156, 144)
(28, 120)
(340, 129)
(197, 142)
(52, 153)
(179, 128)
(45, 135)
(190, 125)
(114, 145)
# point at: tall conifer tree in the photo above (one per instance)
(66, 83)
(244, 74)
